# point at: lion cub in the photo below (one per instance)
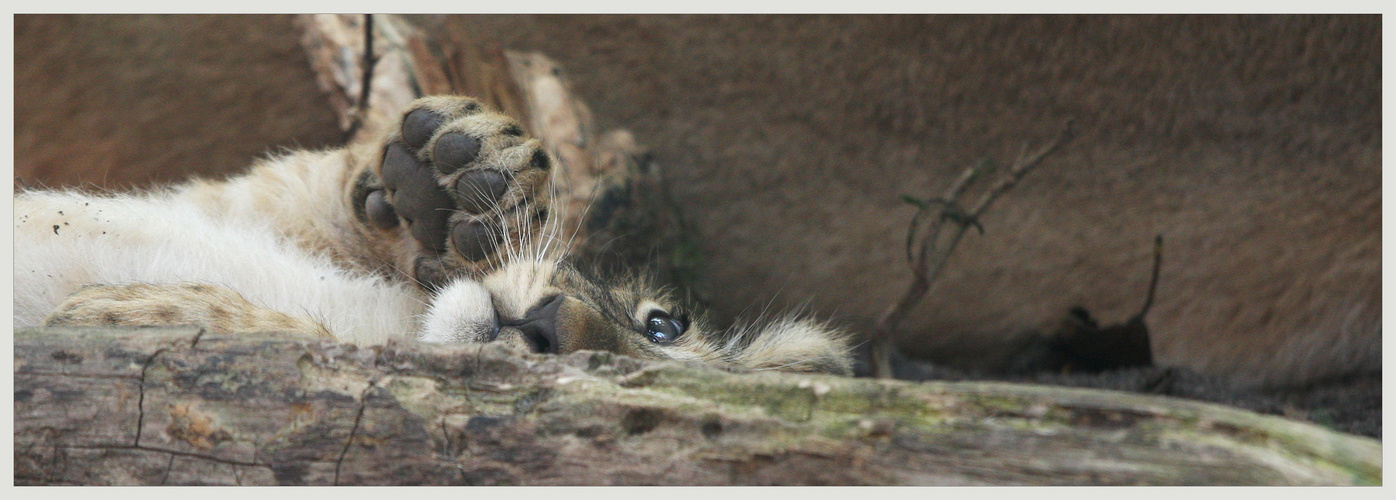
(439, 230)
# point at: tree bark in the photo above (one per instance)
(177, 406)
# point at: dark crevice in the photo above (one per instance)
(75, 375)
(363, 405)
(163, 450)
(641, 421)
(165, 479)
(712, 429)
(140, 403)
(195, 343)
(54, 463)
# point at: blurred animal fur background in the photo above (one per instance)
(1252, 143)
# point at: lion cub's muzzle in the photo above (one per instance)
(539, 326)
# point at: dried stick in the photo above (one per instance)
(367, 86)
(929, 259)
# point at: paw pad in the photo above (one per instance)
(474, 240)
(461, 179)
(480, 190)
(379, 211)
(425, 206)
(418, 127)
(454, 151)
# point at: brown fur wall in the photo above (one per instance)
(122, 101)
(1251, 142)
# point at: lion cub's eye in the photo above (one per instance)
(662, 328)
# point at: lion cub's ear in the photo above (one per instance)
(794, 345)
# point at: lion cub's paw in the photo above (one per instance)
(464, 181)
(139, 304)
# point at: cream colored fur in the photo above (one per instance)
(280, 248)
(280, 236)
(224, 234)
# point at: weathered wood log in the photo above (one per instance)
(175, 406)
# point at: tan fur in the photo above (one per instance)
(305, 193)
(308, 200)
(139, 304)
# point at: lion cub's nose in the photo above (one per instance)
(539, 324)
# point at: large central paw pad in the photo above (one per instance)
(464, 181)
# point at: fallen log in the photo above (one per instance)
(179, 406)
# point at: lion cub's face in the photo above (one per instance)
(554, 308)
(559, 309)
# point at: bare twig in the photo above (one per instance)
(929, 258)
(1153, 280)
(367, 85)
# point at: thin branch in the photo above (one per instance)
(931, 258)
(948, 199)
(365, 89)
(1153, 280)
(1022, 167)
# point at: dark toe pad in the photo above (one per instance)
(455, 150)
(417, 197)
(480, 191)
(379, 211)
(474, 240)
(419, 126)
(430, 274)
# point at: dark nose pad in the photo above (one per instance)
(539, 324)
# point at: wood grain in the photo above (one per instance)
(174, 406)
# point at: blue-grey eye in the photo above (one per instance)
(662, 328)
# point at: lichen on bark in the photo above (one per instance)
(177, 406)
